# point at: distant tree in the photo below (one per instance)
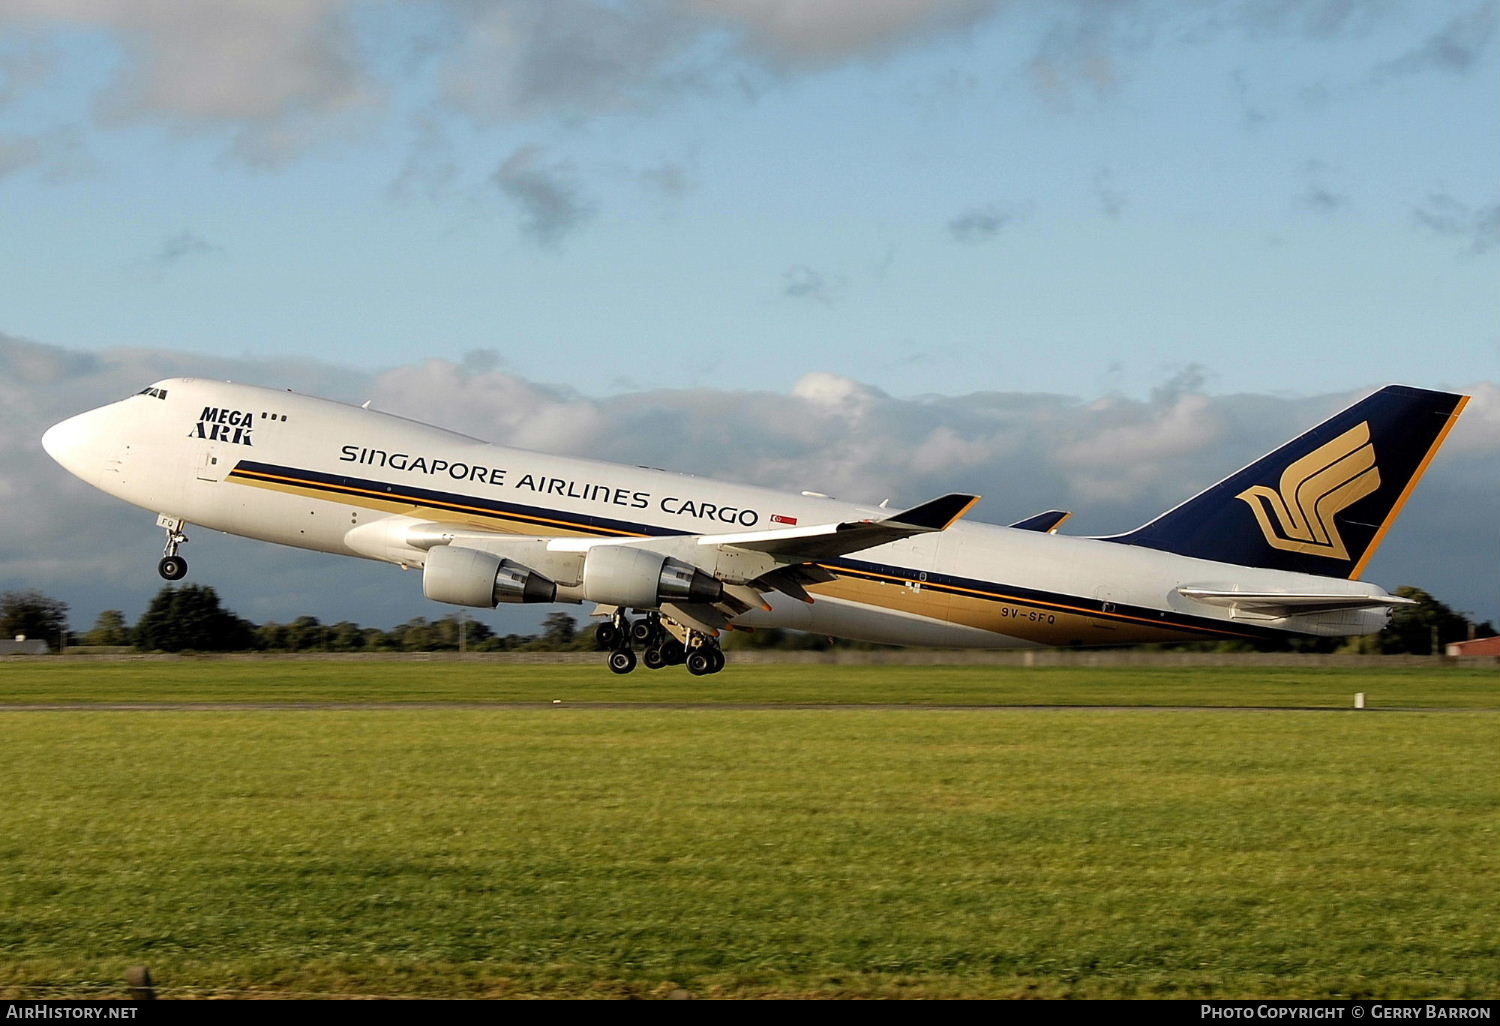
(345, 636)
(508, 643)
(306, 634)
(190, 617)
(33, 614)
(109, 629)
(558, 631)
(1414, 629)
(377, 640)
(415, 635)
(777, 638)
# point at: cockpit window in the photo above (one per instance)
(158, 393)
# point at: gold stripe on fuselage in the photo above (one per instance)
(1051, 623)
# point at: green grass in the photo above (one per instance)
(751, 853)
(192, 680)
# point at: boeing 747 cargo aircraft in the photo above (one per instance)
(1275, 548)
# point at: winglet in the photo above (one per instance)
(824, 541)
(936, 514)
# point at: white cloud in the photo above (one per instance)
(283, 72)
(834, 29)
(511, 61)
(1444, 215)
(489, 404)
(545, 192)
(1126, 448)
(1479, 427)
(280, 77)
(802, 282)
(1456, 47)
(842, 394)
(287, 75)
(979, 224)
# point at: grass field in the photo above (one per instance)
(217, 680)
(850, 852)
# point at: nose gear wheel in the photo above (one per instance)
(172, 567)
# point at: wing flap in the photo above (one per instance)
(793, 580)
(698, 616)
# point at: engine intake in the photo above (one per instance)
(468, 577)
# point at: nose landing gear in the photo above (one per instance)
(172, 566)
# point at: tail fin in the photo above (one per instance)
(1320, 504)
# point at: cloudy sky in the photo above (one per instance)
(1072, 253)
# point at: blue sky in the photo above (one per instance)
(607, 201)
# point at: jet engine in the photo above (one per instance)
(618, 575)
(468, 577)
(615, 575)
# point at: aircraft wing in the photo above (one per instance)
(746, 564)
(1289, 604)
(786, 545)
(825, 541)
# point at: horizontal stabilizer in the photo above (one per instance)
(1290, 604)
(1047, 522)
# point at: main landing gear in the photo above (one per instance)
(660, 646)
(172, 566)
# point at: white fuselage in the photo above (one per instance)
(323, 475)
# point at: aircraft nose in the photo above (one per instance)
(74, 443)
(61, 439)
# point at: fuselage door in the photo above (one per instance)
(210, 465)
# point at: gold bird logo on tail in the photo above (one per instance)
(1313, 491)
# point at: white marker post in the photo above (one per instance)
(1359, 700)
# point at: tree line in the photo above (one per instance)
(190, 617)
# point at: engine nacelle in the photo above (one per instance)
(619, 575)
(468, 577)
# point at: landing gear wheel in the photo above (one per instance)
(172, 566)
(622, 660)
(673, 652)
(700, 661)
(654, 657)
(643, 632)
(607, 635)
(717, 655)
